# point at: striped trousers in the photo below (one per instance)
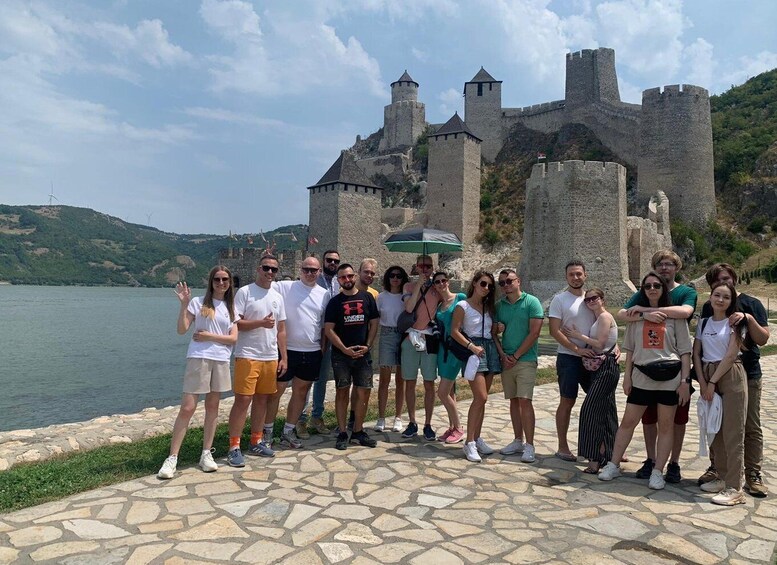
(599, 415)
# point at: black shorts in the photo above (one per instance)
(351, 371)
(305, 365)
(642, 397)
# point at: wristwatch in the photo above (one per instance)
(688, 380)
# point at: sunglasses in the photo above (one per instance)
(591, 299)
(424, 266)
(653, 286)
(395, 276)
(441, 281)
(220, 279)
(486, 284)
(309, 270)
(507, 281)
(369, 273)
(269, 269)
(333, 261)
(346, 277)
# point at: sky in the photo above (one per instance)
(210, 116)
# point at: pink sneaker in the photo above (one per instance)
(445, 436)
(456, 435)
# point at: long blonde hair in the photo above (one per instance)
(208, 310)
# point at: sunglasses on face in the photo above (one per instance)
(652, 286)
(507, 281)
(269, 269)
(424, 266)
(221, 279)
(309, 270)
(486, 284)
(332, 260)
(441, 281)
(395, 276)
(591, 299)
(346, 277)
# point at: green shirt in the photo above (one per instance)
(516, 319)
(681, 295)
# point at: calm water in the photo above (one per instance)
(72, 353)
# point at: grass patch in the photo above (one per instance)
(768, 350)
(30, 484)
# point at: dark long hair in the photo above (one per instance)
(739, 329)
(229, 295)
(663, 300)
(489, 300)
(387, 281)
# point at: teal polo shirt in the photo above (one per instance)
(516, 318)
(681, 295)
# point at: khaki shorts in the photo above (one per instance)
(206, 375)
(518, 382)
(255, 377)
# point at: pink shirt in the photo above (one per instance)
(424, 314)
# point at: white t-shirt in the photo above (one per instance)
(252, 302)
(305, 307)
(390, 306)
(220, 324)
(571, 310)
(714, 339)
(473, 324)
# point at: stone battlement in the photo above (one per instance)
(566, 168)
(588, 53)
(630, 112)
(533, 109)
(687, 90)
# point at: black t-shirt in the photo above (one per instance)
(747, 305)
(351, 316)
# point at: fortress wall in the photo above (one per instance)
(591, 77)
(393, 166)
(576, 210)
(395, 217)
(401, 91)
(483, 115)
(546, 118)
(616, 127)
(403, 124)
(675, 152)
(453, 185)
(243, 262)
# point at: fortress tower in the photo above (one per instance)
(483, 111)
(345, 211)
(453, 185)
(675, 152)
(576, 210)
(591, 78)
(404, 119)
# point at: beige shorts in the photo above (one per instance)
(206, 375)
(255, 377)
(518, 382)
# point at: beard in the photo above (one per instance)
(577, 284)
(347, 285)
(330, 271)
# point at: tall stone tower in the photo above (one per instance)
(453, 182)
(591, 78)
(675, 152)
(345, 212)
(576, 210)
(404, 119)
(483, 111)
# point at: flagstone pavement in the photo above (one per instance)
(407, 501)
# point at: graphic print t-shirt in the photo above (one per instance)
(351, 316)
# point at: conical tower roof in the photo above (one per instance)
(483, 76)
(346, 171)
(405, 78)
(455, 125)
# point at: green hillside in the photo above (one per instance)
(63, 245)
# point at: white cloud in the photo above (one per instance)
(419, 54)
(409, 10)
(149, 41)
(452, 101)
(222, 115)
(231, 19)
(746, 68)
(701, 64)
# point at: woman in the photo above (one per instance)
(719, 369)
(390, 305)
(474, 317)
(598, 414)
(207, 361)
(658, 364)
(448, 366)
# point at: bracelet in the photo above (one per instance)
(468, 344)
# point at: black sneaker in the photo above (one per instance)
(429, 434)
(673, 473)
(342, 441)
(709, 475)
(645, 471)
(410, 431)
(363, 439)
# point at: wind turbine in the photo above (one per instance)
(51, 195)
(148, 216)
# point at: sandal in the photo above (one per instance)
(566, 456)
(591, 471)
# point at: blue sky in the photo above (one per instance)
(214, 115)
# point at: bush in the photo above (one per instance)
(757, 225)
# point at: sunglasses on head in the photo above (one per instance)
(332, 260)
(591, 299)
(395, 275)
(441, 281)
(269, 269)
(309, 270)
(486, 284)
(507, 281)
(221, 279)
(653, 286)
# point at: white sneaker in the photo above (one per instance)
(656, 481)
(482, 447)
(168, 468)
(380, 425)
(398, 427)
(515, 446)
(713, 486)
(528, 453)
(471, 368)
(728, 497)
(609, 472)
(471, 452)
(207, 463)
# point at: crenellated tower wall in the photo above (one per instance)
(483, 114)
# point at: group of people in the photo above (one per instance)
(324, 325)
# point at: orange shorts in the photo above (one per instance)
(255, 377)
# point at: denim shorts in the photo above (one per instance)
(350, 371)
(390, 340)
(571, 374)
(490, 362)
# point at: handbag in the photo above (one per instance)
(593, 363)
(459, 351)
(660, 370)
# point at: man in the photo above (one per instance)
(522, 316)
(567, 309)
(422, 298)
(683, 304)
(327, 279)
(261, 339)
(304, 301)
(756, 321)
(351, 324)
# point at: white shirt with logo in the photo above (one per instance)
(572, 311)
(219, 324)
(252, 302)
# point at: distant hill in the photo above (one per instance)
(64, 245)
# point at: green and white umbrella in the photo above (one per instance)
(424, 241)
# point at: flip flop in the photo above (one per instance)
(590, 471)
(566, 456)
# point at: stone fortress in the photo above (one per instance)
(668, 139)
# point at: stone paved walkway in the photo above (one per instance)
(406, 501)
